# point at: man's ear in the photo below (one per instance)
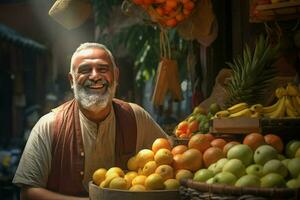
(70, 77)
(116, 73)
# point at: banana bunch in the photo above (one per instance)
(241, 109)
(288, 104)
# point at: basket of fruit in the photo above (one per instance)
(257, 167)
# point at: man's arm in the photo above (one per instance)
(33, 193)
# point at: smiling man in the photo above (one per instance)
(91, 131)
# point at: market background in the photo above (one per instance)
(35, 52)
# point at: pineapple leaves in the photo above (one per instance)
(252, 73)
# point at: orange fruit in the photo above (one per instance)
(212, 155)
(132, 164)
(179, 149)
(161, 143)
(149, 168)
(200, 142)
(137, 188)
(166, 171)
(189, 5)
(228, 146)
(209, 136)
(139, 180)
(183, 126)
(183, 174)
(144, 156)
(154, 182)
(275, 141)
(254, 140)
(219, 142)
(193, 126)
(171, 22)
(185, 135)
(163, 157)
(191, 160)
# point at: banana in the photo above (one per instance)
(268, 109)
(244, 112)
(280, 92)
(279, 111)
(295, 103)
(256, 115)
(290, 110)
(256, 108)
(237, 107)
(292, 90)
(222, 113)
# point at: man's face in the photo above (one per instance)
(94, 79)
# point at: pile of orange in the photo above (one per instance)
(167, 12)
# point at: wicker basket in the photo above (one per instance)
(190, 189)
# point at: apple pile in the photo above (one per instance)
(167, 12)
(196, 122)
(259, 161)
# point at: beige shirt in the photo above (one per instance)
(98, 140)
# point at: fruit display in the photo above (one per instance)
(259, 161)
(256, 161)
(196, 122)
(287, 105)
(167, 12)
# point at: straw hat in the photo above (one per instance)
(71, 13)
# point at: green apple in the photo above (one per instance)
(294, 167)
(275, 166)
(211, 181)
(241, 152)
(293, 183)
(235, 166)
(255, 169)
(297, 154)
(202, 175)
(280, 157)
(248, 180)
(272, 180)
(291, 148)
(264, 153)
(218, 166)
(225, 178)
(285, 162)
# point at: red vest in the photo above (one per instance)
(67, 164)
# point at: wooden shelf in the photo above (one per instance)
(275, 12)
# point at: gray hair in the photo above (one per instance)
(88, 45)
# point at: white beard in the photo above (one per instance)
(93, 101)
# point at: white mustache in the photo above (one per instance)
(91, 82)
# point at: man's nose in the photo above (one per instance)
(95, 74)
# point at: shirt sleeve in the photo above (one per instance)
(147, 129)
(35, 163)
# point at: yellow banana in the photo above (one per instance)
(256, 115)
(222, 113)
(280, 92)
(244, 112)
(292, 90)
(280, 110)
(271, 108)
(295, 103)
(237, 107)
(290, 110)
(256, 108)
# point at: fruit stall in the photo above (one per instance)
(241, 140)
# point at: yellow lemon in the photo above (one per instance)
(99, 176)
(137, 188)
(117, 170)
(166, 171)
(149, 168)
(154, 182)
(139, 180)
(172, 184)
(118, 183)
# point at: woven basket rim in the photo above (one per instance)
(232, 190)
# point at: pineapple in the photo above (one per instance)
(252, 74)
